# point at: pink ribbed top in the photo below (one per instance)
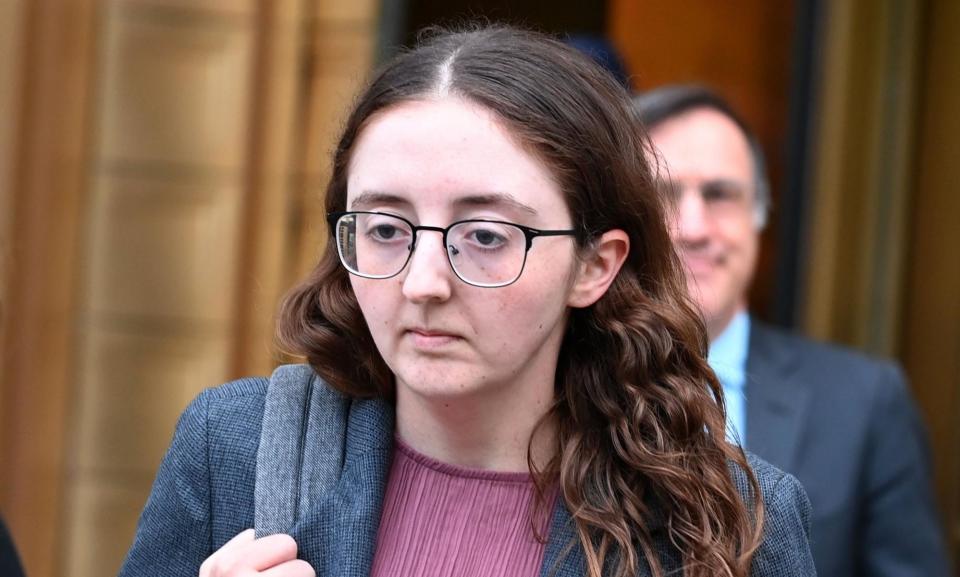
(440, 519)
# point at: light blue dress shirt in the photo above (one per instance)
(728, 358)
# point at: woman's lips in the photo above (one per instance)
(431, 339)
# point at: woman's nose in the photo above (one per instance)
(428, 276)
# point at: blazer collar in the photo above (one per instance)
(564, 556)
(341, 530)
(777, 401)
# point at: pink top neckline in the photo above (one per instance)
(443, 519)
(462, 472)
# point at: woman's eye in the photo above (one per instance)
(487, 237)
(384, 232)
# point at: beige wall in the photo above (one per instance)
(46, 171)
(883, 270)
(163, 226)
(862, 162)
(931, 331)
(10, 39)
(164, 190)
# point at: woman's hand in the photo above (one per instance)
(246, 556)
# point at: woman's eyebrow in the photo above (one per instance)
(494, 199)
(369, 198)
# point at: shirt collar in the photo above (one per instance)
(728, 352)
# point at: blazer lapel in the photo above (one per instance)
(564, 556)
(777, 404)
(339, 534)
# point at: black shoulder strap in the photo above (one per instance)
(301, 447)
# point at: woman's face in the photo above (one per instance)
(435, 162)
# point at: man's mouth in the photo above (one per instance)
(699, 264)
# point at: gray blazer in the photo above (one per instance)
(204, 494)
(847, 427)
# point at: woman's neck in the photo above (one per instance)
(492, 432)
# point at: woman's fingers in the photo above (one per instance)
(246, 556)
(269, 551)
(222, 559)
(295, 568)
(238, 541)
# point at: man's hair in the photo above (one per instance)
(661, 104)
(639, 414)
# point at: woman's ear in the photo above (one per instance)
(599, 267)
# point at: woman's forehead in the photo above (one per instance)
(447, 150)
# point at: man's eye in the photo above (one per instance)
(721, 193)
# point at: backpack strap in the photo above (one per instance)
(301, 447)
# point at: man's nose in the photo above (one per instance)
(428, 276)
(692, 220)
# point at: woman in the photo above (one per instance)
(500, 277)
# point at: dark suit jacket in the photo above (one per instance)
(204, 494)
(847, 428)
(9, 561)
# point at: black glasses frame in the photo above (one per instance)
(529, 233)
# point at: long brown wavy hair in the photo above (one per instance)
(639, 413)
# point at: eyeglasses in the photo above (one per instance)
(482, 253)
(719, 197)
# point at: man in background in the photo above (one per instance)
(843, 424)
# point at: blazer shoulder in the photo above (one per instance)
(203, 482)
(777, 338)
(241, 401)
(250, 388)
(823, 364)
(770, 478)
(785, 549)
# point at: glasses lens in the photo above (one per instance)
(373, 245)
(486, 253)
(719, 197)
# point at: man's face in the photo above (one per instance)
(709, 173)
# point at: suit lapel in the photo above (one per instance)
(777, 404)
(340, 533)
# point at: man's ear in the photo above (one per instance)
(599, 267)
